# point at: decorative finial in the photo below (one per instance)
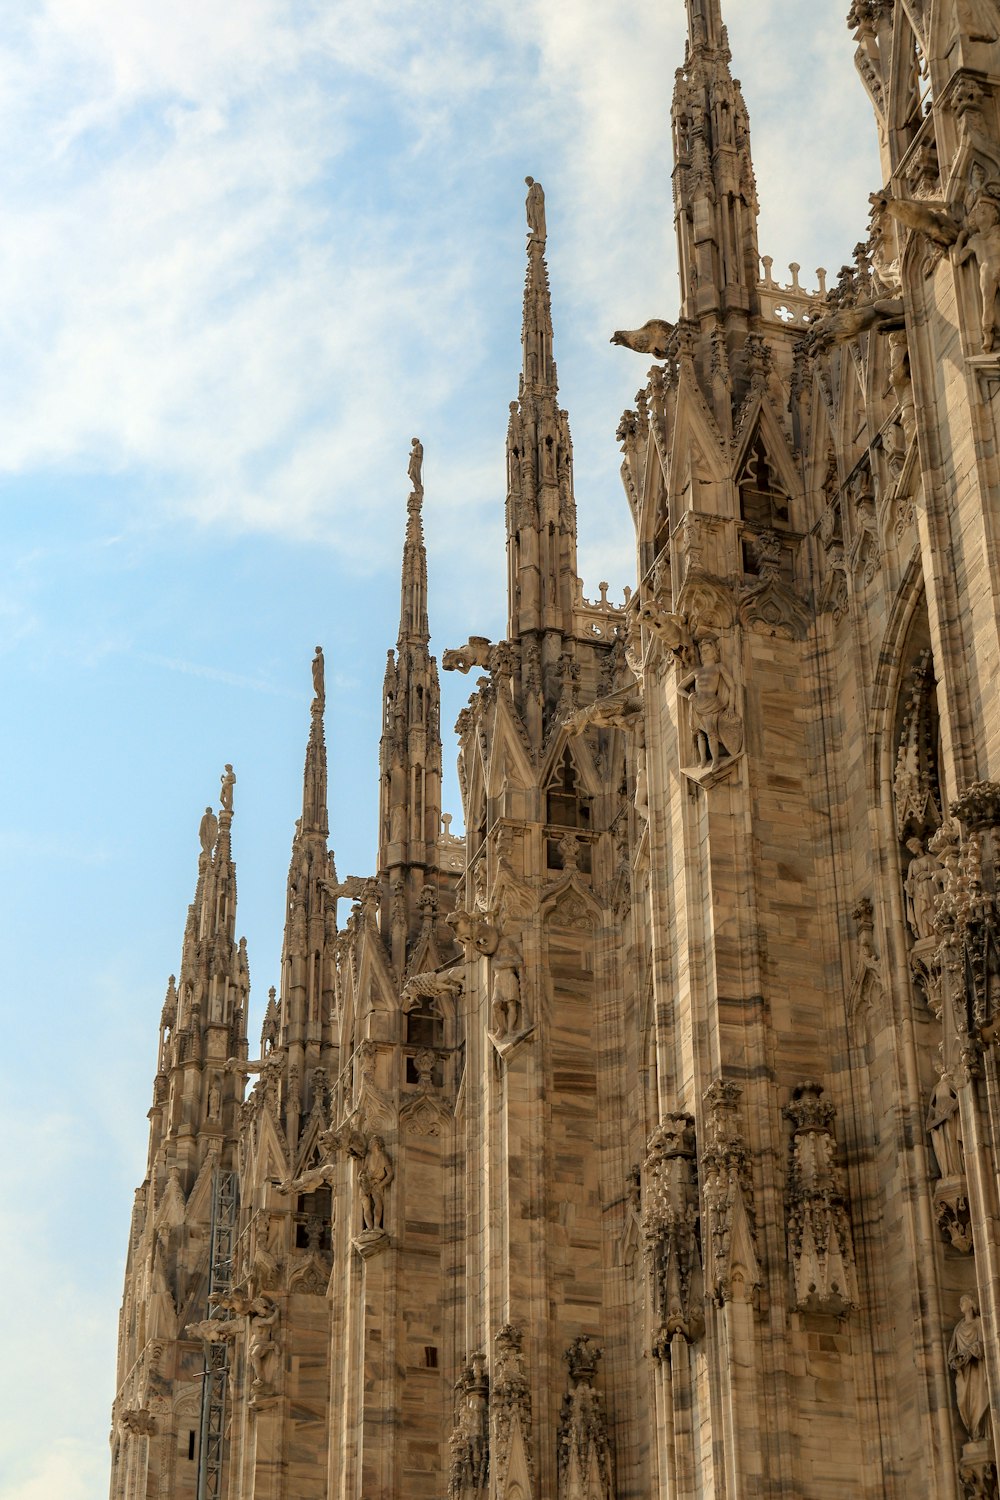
(319, 688)
(535, 209)
(415, 466)
(226, 792)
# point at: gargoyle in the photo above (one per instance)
(651, 338)
(212, 1330)
(841, 324)
(671, 630)
(308, 1182)
(936, 223)
(476, 653)
(620, 710)
(429, 985)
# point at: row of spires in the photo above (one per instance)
(543, 586)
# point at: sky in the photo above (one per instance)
(247, 251)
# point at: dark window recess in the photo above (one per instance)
(566, 806)
(312, 1220)
(430, 1357)
(555, 860)
(191, 1446)
(424, 1028)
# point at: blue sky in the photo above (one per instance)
(246, 252)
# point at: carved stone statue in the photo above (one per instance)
(505, 997)
(943, 1126)
(715, 725)
(208, 830)
(415, 467)
(374, 1176)
(317, 673)
(215, 1102)
(263, 1345)
(924, 884)
(966, 1357)
(651, 338)
(980, 236)
(226, 793)
(534, 207)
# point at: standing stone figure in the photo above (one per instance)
(924, 884)
(226, 794)
(374, 1177)
(415, 467)
(263, 1347)
(319, 687)
(715, 725)
(535, 209)
(980, 237)
(208, 830)
(505, 999)
(966, 1358)
(943, 1127)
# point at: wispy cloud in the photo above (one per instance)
(218, 674)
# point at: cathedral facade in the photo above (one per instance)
(643, 1142)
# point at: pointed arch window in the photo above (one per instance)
(764, 501)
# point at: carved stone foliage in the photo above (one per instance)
(727, 1192)
(510, 1415)
(469, 1444)
(584, 1449)
(768, 606)
(820, 1247)
(670, 1225)
(140, 1421)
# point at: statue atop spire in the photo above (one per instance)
(314, 809)
(319, 685)
(413, 591)
(228, 780)
(415, 467)
(535, 210)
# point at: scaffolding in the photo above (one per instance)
(225, 1199)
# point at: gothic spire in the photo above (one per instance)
(303, 1018)
(705, 28)
(314, 810)
(410, 749)
(203, 1021)
(714, 189)
(538, 369)
(541, 509)
(413, 626)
